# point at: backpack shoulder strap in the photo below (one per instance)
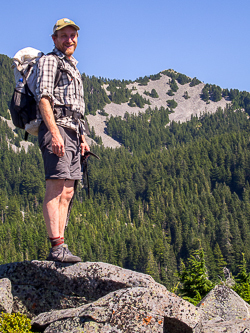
(59, 68)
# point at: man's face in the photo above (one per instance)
(66, 40)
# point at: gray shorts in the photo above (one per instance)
(66, 167)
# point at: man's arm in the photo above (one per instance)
(49, 119)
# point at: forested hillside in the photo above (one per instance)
(6, 84)
(168, 188)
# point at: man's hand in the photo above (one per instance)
(84, 146)
(58, 144)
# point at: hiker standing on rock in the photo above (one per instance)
(61, 137)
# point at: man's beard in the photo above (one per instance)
(69, 51)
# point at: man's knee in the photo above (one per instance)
(68, 190)
(68, 194)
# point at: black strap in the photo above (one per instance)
(84, 164)
(74, 114)
(60, 68)
(63, 111)
(85, 174)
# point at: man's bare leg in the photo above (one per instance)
(56, 202)
(66, 196)
(58, 194)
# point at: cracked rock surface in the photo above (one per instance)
(6, 298)
(97, 297)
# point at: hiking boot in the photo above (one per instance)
(62, 253)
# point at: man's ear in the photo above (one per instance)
(54, 38)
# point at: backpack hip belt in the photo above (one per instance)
(61, 111)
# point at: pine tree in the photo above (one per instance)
(242, 285)
(194, 278)
(220, 263)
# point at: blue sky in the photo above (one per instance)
(128, 39)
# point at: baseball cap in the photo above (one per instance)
(64, 23)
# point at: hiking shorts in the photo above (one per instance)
(67, 166)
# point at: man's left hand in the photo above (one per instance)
(84, 146)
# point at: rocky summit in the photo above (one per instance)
(99, 297)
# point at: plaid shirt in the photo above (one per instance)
(69, 91)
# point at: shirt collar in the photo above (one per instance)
(63, 56)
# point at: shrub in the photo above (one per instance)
(14, 323)
(138, 100)
(170, 92)
(172, 103)
(205, 94)
(143, 81)
(173, 85)
(194, 82)
(211, 91)
(103, 113)
(183, 79)
(153, 93)
(155, 77)
(170, 72)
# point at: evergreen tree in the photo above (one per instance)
(220, 263)
(242, 285)
(194, 278)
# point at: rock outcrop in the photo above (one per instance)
(95, 297)
(98, 297)
(224, 311)
(6, 298)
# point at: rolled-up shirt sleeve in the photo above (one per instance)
(46, 72)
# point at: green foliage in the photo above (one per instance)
(172, 104)
(143, 81)
(118, 91)
(242, 285)
(194, 82)
(168, 185)
(186, 96)
(7, 85)
(173, 85)
(138, 100)
(103, 113)
(225, 92)
(153, 93)
(212, 92)
(155, 77)
(240, 99)
(170, 92)
(15, 323)
(181, 78)
(95, 137)
(169, 72)
(95, 96)
(205, 94)
(139, 133)
(195, 283)
(220, 263)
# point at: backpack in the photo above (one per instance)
(23, 106)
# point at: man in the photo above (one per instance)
(61, 137)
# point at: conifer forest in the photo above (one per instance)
(172, 191)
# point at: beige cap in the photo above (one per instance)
(64, 23)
